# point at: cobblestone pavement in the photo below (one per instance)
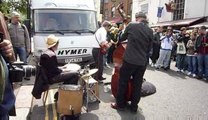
(178, 97)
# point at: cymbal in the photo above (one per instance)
(90, 72)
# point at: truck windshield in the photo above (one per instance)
(66, 21)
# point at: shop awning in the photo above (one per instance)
(178, 22)
(199, 25)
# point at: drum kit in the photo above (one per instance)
(73, 97)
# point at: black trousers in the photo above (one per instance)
(66, 77)
(4, 117)
(127, 71)
(98, 58)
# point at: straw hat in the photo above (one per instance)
(52, 40)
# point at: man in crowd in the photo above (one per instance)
(201, 50)
(7, 98)
(140, 38)
(19, 37)
(182, 40)
(156, 45)
(165, 50)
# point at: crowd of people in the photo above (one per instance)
(188, 48)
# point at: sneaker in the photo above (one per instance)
(178, 70)
(27, 78)
(199, 77)
(206, 79)
(194, 75)
(189, 73)
(107, 65)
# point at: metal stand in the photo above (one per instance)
(88, 86)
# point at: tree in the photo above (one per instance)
(7, 6)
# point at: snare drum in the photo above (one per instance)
(73, 67)
(70, 99)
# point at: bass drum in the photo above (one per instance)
(70, 99)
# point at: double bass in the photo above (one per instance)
(117, 61)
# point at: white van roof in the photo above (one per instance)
(63, 4)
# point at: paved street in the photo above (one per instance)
(178, 97)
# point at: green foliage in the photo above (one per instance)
(8, 6)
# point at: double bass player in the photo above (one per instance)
(140, 38)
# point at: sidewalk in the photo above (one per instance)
(24, 100)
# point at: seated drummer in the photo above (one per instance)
(48, 61)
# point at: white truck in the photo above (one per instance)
(73, 21)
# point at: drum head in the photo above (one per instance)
(70, 87)
(73, 67)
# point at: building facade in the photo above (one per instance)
(186, 12)
(111, 13)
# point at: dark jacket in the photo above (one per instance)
(140, 38)
(201, 41)
(49, 61)
(41, 82)
(183, 38)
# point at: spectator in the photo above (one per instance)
(192, 67)
(19, 37)
(181, 61)
(165, 50)
(156, 45)
(7, 98)
(201, 50)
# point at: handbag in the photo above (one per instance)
(181, 49)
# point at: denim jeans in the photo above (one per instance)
(21, 51)
(192, 64)
(4, 117)
(202, 65)
(180, 60)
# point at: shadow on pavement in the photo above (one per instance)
(88, 116)
(127, 115)
(169, 72)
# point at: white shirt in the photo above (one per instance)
(101, 35)
(165, 43)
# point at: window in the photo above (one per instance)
(144, 8)
(50, 21)
(179, 12)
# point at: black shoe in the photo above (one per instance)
(27, 78)
(166, 68)
(101, 79)
(133, 110)
(115, 106)
(56, 97)
(199, 77)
